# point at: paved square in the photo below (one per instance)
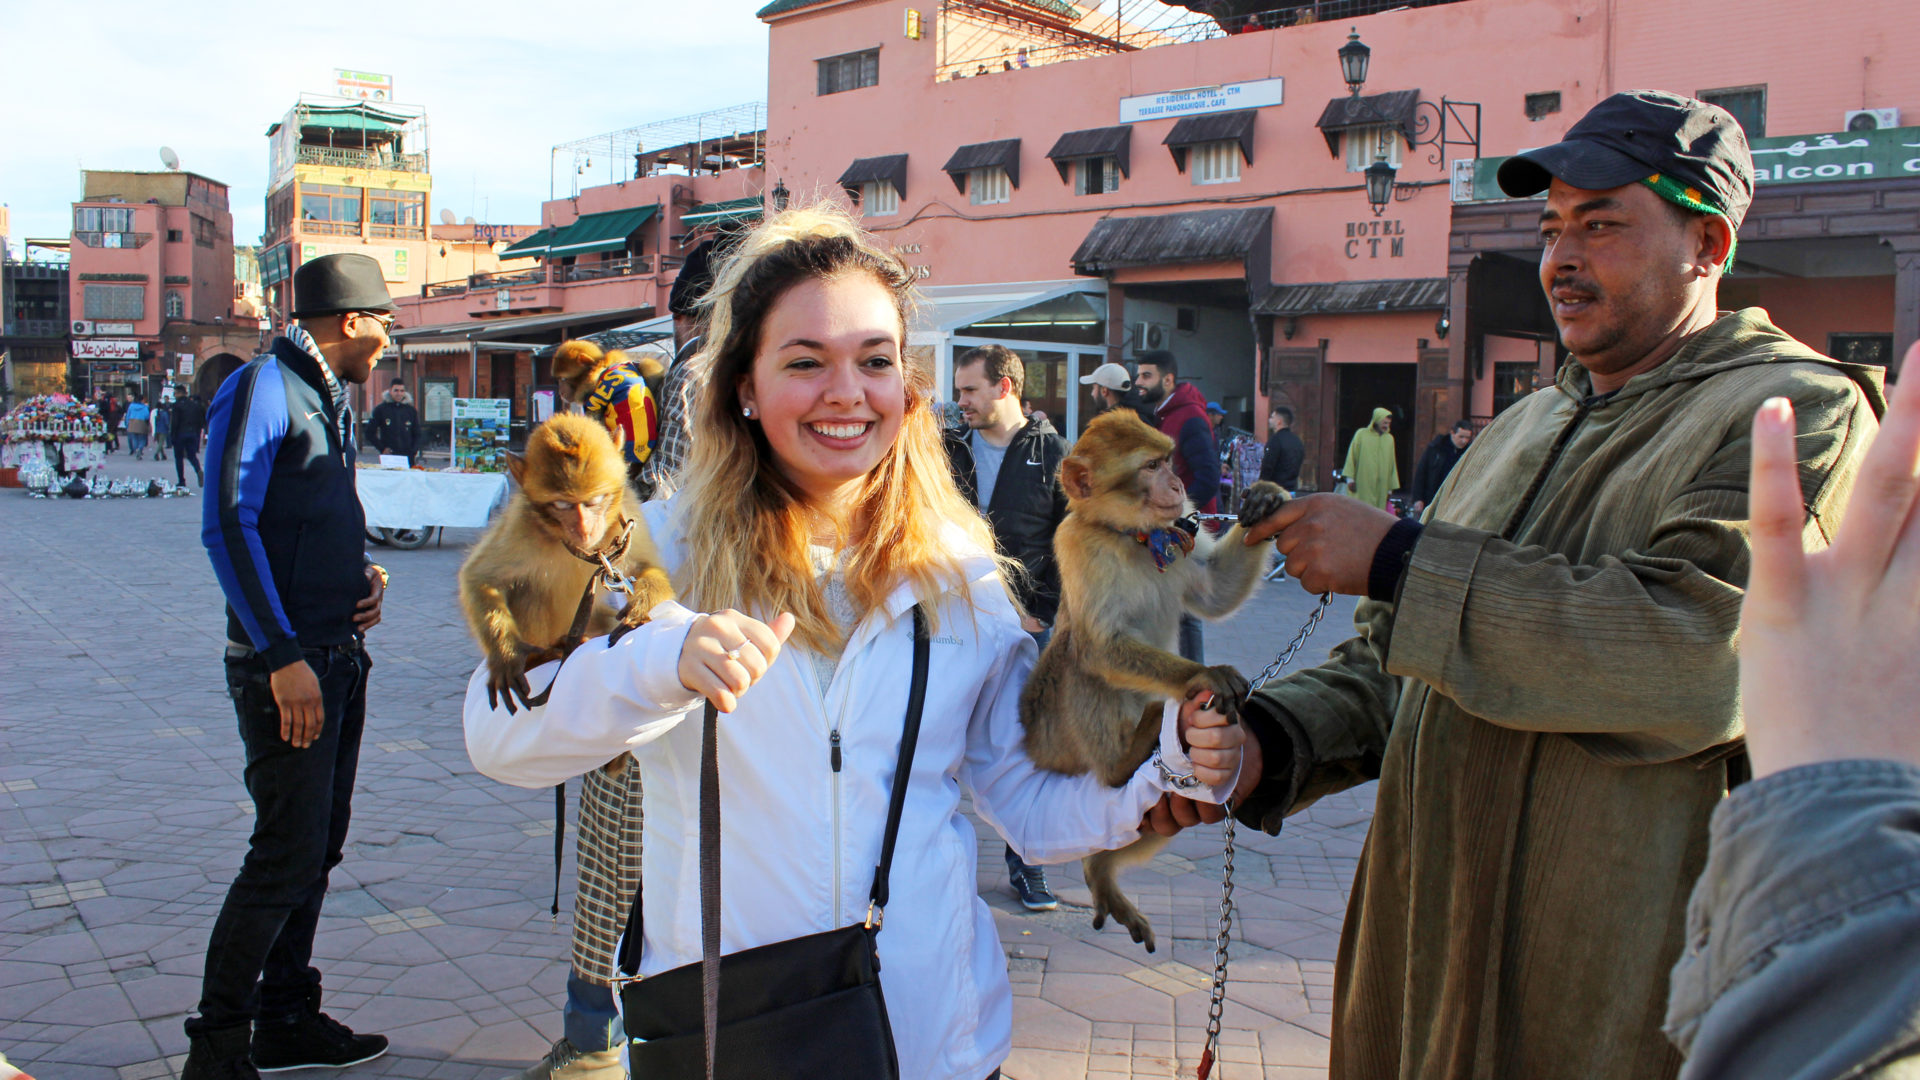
(123, 819)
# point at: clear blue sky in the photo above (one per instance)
(105, 84)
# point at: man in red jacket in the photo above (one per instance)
(1180, 412)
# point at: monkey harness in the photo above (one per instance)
(1217, 998)
(608, 576)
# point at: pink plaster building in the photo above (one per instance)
(604, 257)
(1085, 181)
(152, 281)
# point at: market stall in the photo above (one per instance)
(53, 433)
(418, 499)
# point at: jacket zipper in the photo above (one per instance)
(834, 760)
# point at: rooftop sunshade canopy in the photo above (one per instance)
(600, 232)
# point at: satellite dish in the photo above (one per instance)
(469, 221)
(446, 216)
(170, 159)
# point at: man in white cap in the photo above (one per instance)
(1112, 389)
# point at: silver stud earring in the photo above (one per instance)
(747, 412)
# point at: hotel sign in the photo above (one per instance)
(1197, 100)
(1794, 159)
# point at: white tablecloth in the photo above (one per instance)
(408, 499)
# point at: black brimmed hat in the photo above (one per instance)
(1691, 153)
(336, 284)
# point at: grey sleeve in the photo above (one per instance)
(1803, 933)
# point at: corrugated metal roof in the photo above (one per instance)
(1113, 142)
(1004, 153)
(1214, 127)
(1158, 239)
(1393, 107)
(1354, 297)
(891, 168)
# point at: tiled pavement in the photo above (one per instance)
(123, 817)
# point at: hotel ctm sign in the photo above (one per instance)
(1194, 101)
(1795, 159)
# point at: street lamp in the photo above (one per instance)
(1379, 185)
(780, 195)
(1446, 124)
(1353, 62)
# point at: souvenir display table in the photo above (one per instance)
(55, 434)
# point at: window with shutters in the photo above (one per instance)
(849, 71)
(205, 232)
(1748, 104)
(1214, 162)
(1370, 143)
(176, 304)
(103, 219)
(988, 186)
(878, 199)
(115, 303)
(1096, 176)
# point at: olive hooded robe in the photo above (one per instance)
(1551, 709)
(1371, 463)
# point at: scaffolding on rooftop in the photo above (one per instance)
(734, 137)
(983, 37)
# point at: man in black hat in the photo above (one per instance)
(283, 526)
(661, 472)
(1544, 680)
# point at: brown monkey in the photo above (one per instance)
(1128, 571)
(619, 390)
(521, 586)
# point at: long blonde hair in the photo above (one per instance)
(747, 526)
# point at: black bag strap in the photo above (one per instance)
(909, 737)
(709, 882)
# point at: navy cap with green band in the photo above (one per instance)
(1688, 152)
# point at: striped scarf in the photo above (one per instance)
(336, 390)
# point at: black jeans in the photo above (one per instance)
(1193, 641)
(259, 959)
(184, 452)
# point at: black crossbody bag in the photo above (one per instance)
(802, 1008)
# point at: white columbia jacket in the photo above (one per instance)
(799, 840)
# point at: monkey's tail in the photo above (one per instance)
(645, 363)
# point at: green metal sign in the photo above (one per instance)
(1789, 159)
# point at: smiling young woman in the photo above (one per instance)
(819, 515)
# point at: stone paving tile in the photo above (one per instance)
(124, 817)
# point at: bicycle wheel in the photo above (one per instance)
(408, 539)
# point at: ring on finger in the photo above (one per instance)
(734, 653)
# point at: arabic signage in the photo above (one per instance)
(112, 374)
(106, 349)
(1794, 159)
(1201, 99)
(110, 328)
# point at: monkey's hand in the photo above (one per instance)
(507, 675)
(1260, 502)
(1227, 685)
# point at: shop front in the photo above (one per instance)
(1058, 328)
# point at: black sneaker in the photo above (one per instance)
(313, 1041)
(220, 1055)
(1030, 885)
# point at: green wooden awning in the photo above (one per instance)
(729, 212)
(607, 231)
(529, 247)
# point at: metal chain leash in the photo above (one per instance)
(1217, 1000)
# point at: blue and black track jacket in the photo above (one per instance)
(280, 517)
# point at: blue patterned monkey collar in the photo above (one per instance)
(1168, 544)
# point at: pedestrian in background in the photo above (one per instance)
(285, 532)
(395, 424)
(162, 429)
(660, 474)
(114, 417)
(1009, 467)
(1281, 462)
(189, 421)
(1113, 388)
(1436, 461)
(1372, 469)
(139, 426)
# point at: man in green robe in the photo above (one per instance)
(1544, 679)
(1372, 470)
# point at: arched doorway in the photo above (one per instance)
(211, 374)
